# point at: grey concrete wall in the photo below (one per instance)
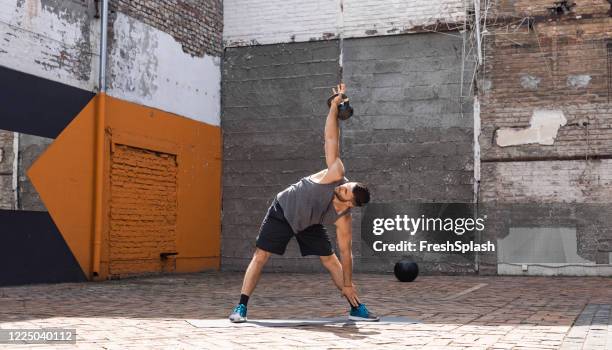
(410, 138)
(273, 117)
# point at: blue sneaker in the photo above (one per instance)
(238, 314)
(361, 313)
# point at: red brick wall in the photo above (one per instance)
(552, 54)
(542, 7)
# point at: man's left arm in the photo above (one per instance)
(344, 234)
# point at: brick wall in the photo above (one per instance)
(6, 170)
(250, 22)
(143, 209)
(547, 8)
(365, 18)
(197, 25)
(538, 69)
(544, 182)
(552, 62)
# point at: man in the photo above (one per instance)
(301, 210)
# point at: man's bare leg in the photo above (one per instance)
(251, 277)
(253, 272)
(332, 264)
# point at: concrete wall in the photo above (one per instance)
(266, 22)
(273, 117)
(410, 138)
(545, 137)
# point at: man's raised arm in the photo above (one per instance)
(332, 135)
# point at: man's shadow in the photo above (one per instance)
(340, 328)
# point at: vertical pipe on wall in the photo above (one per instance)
(16, 170)
(99, 156)
(477, 173)
(477, 22)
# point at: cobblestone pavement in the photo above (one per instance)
(455, 312)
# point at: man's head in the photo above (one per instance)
(356, 193)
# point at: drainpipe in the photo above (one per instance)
(99, 145)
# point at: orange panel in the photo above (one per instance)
(198, 149)
(63, 176)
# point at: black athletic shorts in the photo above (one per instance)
(275, 233)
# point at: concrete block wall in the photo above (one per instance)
(267, 22)
(410, 138)
(274, 113)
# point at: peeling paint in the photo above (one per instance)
(142, 69)
(51, 39)
(371, 32)
(530, 82)
(578, 81)
(543, 129)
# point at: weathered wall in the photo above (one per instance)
(149, 67)
(410, 138)
(267, 22)
(6, 170)
(545, 115)
(163, 55)
(59, 41)
(52, 39)
(196, 25)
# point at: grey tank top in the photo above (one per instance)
(307, 203)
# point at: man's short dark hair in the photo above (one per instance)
(361, 193)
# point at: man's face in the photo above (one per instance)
(345, 192)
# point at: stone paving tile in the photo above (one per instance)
(150, 313)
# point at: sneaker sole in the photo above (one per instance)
(240, 320)
(356, 318)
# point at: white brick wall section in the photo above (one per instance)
(34, 40)
(248, 22)
(577, 181)
(371, 17)
(266, 22)
(147, 66)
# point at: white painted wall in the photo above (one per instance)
(248, 22)
(147, 66)
(38, 41)
(380, 17)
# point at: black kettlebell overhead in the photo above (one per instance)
(345, 110)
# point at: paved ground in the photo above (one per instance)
(455, 312)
